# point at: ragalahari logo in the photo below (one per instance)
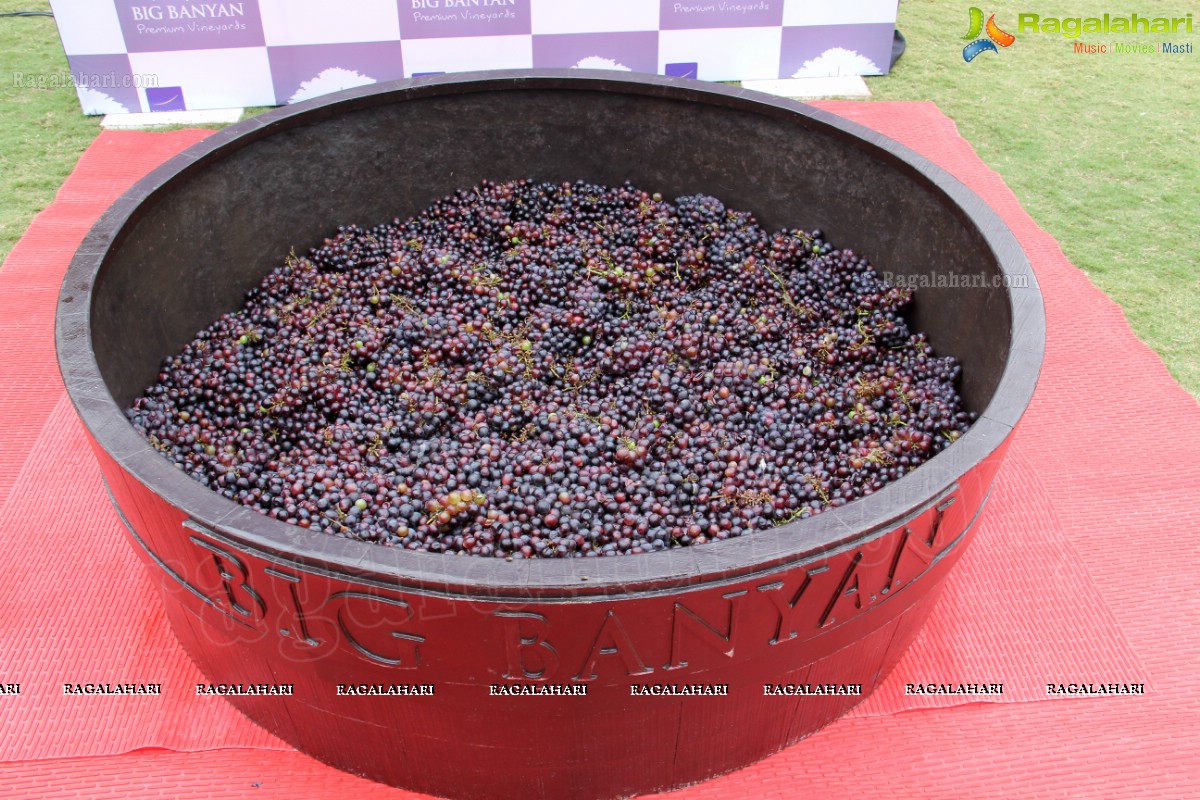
(995, 36)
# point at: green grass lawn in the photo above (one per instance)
(1103, 151)
(42, 132)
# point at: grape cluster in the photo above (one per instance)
(538, 370)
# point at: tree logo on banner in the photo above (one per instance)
(995, 36)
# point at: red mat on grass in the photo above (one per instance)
(1084, 569)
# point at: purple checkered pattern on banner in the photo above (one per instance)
(106, 84)
(301, 72)
(258, 52)
(165, 98)
(687, 69)
(631, 51)
(822, 50)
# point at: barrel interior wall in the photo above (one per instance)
(212, 234)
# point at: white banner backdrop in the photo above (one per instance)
(171, 55)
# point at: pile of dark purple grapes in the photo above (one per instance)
(531, 370)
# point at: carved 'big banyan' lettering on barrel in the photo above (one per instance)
(529, 644)
(847, 592)
(405, 654)
(915, 554)
(237, 597)
(561, 641)
(299, 630)
(785, 608)
(612, 640)
(684, 619)
(530, 656)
